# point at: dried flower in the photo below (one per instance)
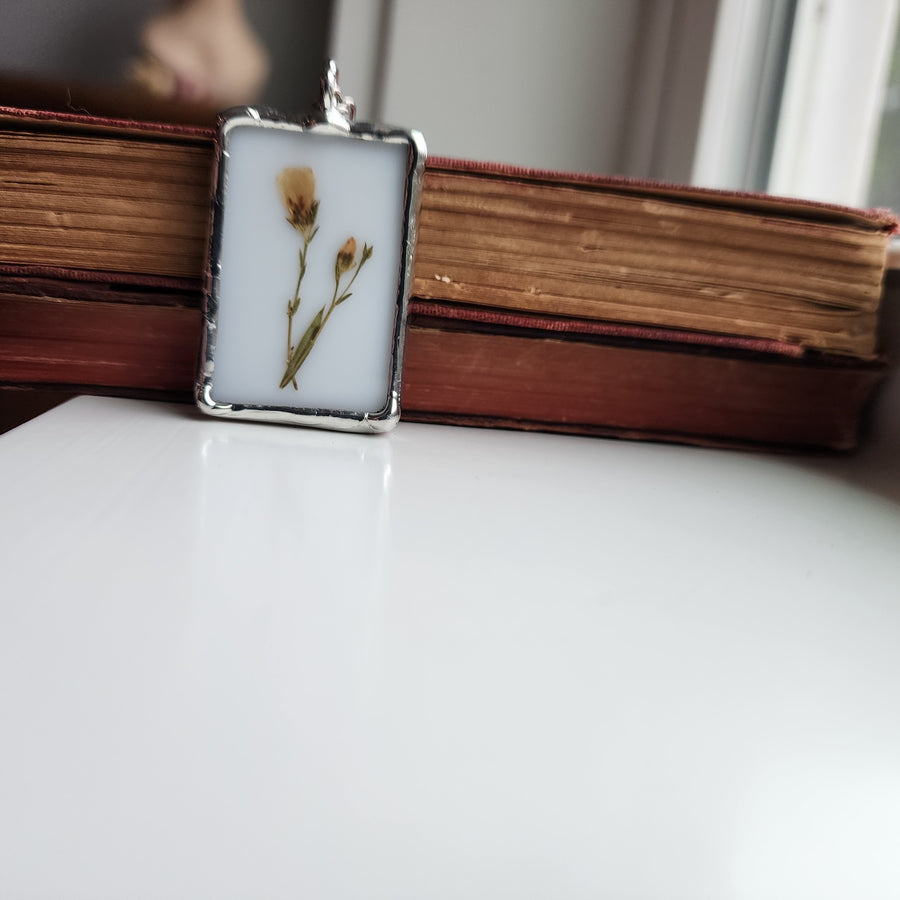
(297, 186)
(346, 256)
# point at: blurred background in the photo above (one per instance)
(790, 96)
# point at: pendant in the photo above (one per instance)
(310, 265)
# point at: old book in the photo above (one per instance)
(82, 192)
(464, 365)
(559, 302)
(524, 372)
(627, 251)
(99, 336)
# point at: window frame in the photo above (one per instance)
(831, 111)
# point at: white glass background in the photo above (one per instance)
(360, 186)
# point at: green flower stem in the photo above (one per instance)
(314, 329)
(294, 304)
(365, 256)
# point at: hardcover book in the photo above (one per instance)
(564, 302)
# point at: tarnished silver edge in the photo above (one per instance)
(339, 420)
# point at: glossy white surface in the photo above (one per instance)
(243, 660)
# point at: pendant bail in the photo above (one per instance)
(334, 107)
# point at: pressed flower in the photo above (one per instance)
(346, 256)
(297, 186)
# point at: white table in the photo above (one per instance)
(242, 660)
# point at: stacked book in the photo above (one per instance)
(541, 300)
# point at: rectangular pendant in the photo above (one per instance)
(310, 266)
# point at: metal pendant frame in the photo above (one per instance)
(334, 117)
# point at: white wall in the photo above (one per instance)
(584, 85)
(542, 83)
(527, 81)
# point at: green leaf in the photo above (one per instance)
(301, 351)
(342, 298)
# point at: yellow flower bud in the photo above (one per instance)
(346, 256)
(297, 186)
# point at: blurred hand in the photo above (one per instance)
(202, 51)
